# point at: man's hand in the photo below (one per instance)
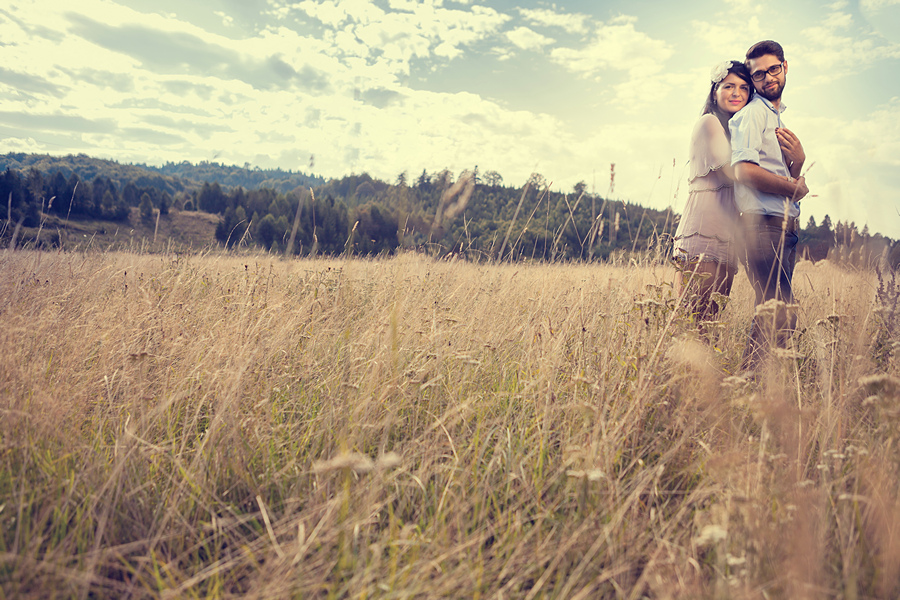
(791, 148)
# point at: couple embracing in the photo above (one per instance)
(745, 187)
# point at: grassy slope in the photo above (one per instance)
(213, 426)
(179, 230)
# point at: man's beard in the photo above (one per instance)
(772, 94)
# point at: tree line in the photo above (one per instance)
(465, 215)
(248, 177)
(24, 198)
(473, 214)
(88, 168)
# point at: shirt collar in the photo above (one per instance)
(770, 105)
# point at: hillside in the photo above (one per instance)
(170, 177)
(88, 168)
(248, 177)
(179, 231)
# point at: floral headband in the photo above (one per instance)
(720, 71)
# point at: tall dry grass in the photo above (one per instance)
(215, 426)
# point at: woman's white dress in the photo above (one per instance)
(709, 223)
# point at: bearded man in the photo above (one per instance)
(767, 159)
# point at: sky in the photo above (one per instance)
(565, 89)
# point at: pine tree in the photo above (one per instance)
(146, 207)
(266, 231)
(165, 201)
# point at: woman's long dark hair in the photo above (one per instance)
(736, 68)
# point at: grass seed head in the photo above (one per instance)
(355, 461)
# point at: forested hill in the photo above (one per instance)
(248, 177)
(470, 213)
(170, 177)
(87, 168)
(475, 212)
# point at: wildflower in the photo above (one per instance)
(710, 535)
(881, 385)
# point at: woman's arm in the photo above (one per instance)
(729, 172)
(711, 146)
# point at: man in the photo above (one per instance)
(767, 160)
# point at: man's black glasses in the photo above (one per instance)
(773, 71)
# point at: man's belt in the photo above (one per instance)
(790, 224)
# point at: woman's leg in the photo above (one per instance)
(719, 283)
(704, 279)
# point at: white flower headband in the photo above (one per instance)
(720, 71)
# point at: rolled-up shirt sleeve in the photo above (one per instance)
(747, 128)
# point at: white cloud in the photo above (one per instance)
(454, 130)
(410, 30)
(334, 13)
(527, 39)
(617, 45)
(344, 42)
(854, 161)
(227, 19)
(826, 46)
(649, 160)
(719, 38)
(27, 145)
(743, 6)
(571, 22)
(650, 92)
(883, 16)
(837, 20)
(503, 54)
(876, 4)
(397, 42)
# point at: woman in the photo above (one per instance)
(705, 239)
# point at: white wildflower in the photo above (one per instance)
(711, 534)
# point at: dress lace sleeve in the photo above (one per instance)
(710, 148)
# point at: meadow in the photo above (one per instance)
(213, 426)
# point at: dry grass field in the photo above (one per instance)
(215, 426)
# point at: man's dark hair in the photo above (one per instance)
(762, 48)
